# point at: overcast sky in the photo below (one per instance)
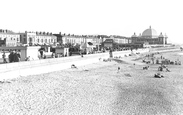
(110, 17)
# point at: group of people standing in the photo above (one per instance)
(14, 56)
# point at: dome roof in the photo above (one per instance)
(161, 35)
(134, 36)
(150, 33)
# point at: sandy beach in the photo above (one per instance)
(98, 89)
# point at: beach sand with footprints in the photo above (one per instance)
(117, 87)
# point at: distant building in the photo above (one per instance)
(149, 36)
(73, 39)
(28, 38)
(45, 38)
(37, 38)
(59, 38)
(9, 38)
(121, 41)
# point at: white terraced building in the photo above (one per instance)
(9, 38)
(38, 38)
(73, 39)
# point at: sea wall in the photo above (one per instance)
(13, 70)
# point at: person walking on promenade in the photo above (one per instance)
(41, 52)
(53, 55)
(110, 53)
(11, 56)
(66, 54)
(19, 56)
(4, 57)
(15, 57)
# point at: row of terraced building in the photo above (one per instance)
(10, 38)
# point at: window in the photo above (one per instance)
(37, 40)
(30, 39)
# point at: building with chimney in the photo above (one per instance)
(38, 38)
(9, 38)
(59, 38)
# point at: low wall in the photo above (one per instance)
(165, 50)
(13, 70)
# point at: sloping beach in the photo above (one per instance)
(98, 89)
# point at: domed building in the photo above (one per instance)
(149, 36)
(149, 33)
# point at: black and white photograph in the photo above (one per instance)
(91, 57)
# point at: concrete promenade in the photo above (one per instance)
(14, 70)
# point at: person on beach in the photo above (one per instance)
(152, 60)
(118, 69)
(160, 68)
(158, 75)
(175, 62)
(167, 70)
(73, 66)
(157, 61)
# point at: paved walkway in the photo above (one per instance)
(33, 68)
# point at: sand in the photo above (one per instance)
(97, 89)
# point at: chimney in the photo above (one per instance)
(60, 33)
(47, 33)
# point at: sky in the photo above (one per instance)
(94, 17)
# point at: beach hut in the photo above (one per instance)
(87, 47)
(62, 51)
